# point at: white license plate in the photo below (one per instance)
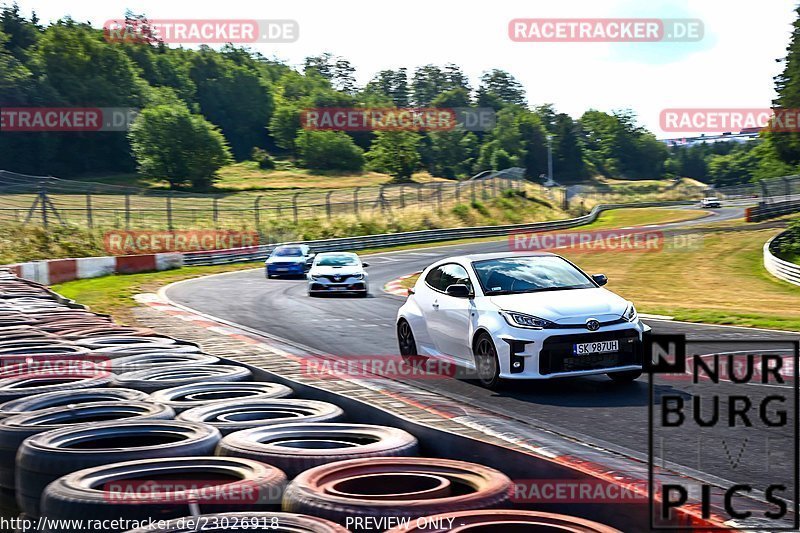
(338, 288)
(585, 348)
(282, 269)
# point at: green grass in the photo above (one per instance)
(114, 294)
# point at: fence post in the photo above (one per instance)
(472, 187)
(439, 195)
(764, 191)
(787, 187)
(328, 204)
(89, 220)
(419, 193)
(43, 200)
(294, 206)
(458, 193)
(215, 210)
(169, 211)
(355, 201)
(256, 212)
(402, 196)
(565, 205)
(127, 210)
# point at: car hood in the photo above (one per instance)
(333, 271)
(285, 259)
(565, 307)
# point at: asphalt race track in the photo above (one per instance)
(591, 409)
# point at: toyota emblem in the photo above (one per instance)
(592, 324)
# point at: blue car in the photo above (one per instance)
(289, 260)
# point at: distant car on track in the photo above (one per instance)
(710, 201)
(338, 272)
(288, 260)
(521, 317)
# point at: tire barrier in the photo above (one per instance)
(17, 428)
(26, 385)
(223, 522)
(244, 414)
(171, 376)
(48, 400)
(295, 448)
(208, 392)
(81, 438)
(110, 338)
(505, 521)
(106, 492)
(145, 347)
(395, 486)
(150, 360)
(45, 457)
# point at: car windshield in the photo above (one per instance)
(337, 260)
(512, 275)
(285, 251)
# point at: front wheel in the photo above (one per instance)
(407, 344)
(625, 377)
(486, 362)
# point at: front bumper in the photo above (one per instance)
(346, 285)
(548, 353)
(285, 269)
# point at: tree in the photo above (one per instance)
(787, 85)
(452, 153)
(170, 142)
(235, 98)
(329, 150)
(498, 87)
(395, 153)
(568, 164)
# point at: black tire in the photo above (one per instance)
(45, 457)
(236, 415)
(224, 522)
(487, 365)
(172, 376)
(295, 448)
(17, 428)
(21, 386)
(207, 392)
(100, 492)
(407, 344)
(369, 487)
(136, 349)
(146, 361)
(49, 400)
(625, 377)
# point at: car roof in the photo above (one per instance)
(348, 254)
(472, 258)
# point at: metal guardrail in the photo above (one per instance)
(255, 253)
(772, 209)
(779, 268)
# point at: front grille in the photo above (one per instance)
(336, 279)
(556, 353)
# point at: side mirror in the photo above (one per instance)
(458, 290)
(600, 279)
(365, 265)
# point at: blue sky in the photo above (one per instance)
(732, 67)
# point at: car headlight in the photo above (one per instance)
(521, 320)
(357, 276)
(630, 313)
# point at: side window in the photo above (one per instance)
(453, 274)
(434, 278)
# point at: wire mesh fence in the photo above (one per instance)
(46, 200)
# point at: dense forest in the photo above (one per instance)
(203, 108)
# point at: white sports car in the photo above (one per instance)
(521, 317)
(338, 272)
